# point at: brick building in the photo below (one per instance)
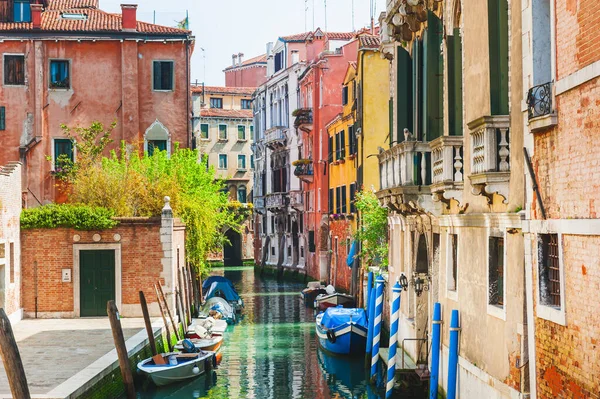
(561, 63)
(51, 51)
(249, 73)
(10, 240)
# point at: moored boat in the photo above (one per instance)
(342, 331)
(325, 301)
(212, 325)
(168, 368)
(218, 286)
(211, 343)
(216, 307)
(312, 290)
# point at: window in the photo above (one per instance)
(455, 83)
(351, 140)
(453, 263)
(496, 271)
(163, 75)
(344, 207)
(222, 161)
(242, 194)
(14, 70)
(156, 145)
(353, 198)
(252, 132)
(331, 200)
(311, 241)
(498, 45)
(330, 150)
(343, 144)
(241, 133)
(22, 11)
(60, 74)
(279, 61)
(204, 131)
(222, 132)
(63, 153)
(241, 162)
(246, 104)
(549, 270)
(251, 161)
(216, 102)
(2, 118)
(338, 200)
(344, 95)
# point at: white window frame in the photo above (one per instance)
(238, 133)
(53, 155)
(226, 132)
(546, 312)
(157, 122)
(51, 89)
(452, 293)
(173, 77)
(496, 310)
(207, 132)
(219, 162)
(245, 160)
(24, 69)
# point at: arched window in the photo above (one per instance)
(157, 137)
(241, 194)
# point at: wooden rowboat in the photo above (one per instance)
(168, 368)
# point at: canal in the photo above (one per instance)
(272, 352)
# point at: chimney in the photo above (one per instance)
(295, 57)
(36, 15)
(233, 58)
(129, 12)
(240, 56)
(269, 48)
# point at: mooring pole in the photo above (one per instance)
(188, 282)
(180, 310)
(12, 359)
(181, 293)
(377, 325)
(435, 351)
(162, 295)
(391, 371)
(117, 331)
(148, 323)
(162, 313)
(371, 320)
(453, 355)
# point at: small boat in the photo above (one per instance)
(168, 368)
(328, 300)
(311, 291)
(211, 343)
(212, 325)
(217, 307)
(218, 286)
(342, 331)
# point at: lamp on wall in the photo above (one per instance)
(419, 281)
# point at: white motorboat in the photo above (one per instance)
(168, 368)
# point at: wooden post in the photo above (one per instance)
(162, 313)
(115, 325)
(201, 299)
(188, 285)
(195, 289)
(180, 310)
(162, 295)
(12, 359)
(148, 323)
(181, 292)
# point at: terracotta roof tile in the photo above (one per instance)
(302, 37)
(261, 59)
(298, 37)
(71, 4)
(369, 41)
(224, 90)
(340, 35)
(226, 113)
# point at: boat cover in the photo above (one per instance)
(220, 305)
(337, 316)
(351, 254)
(222, 290)
(211, 279)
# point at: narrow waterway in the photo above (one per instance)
(272, 352)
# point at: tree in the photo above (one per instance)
(373, 231)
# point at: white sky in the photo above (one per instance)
(225, 27)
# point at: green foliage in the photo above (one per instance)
(80, 217)
(89, 142)
(373, 230)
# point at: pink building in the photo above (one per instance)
(249, 73)
(68, 62)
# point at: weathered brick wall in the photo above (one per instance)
(341, 274)
(577, 35)
(10, 211)
(52, 250)
(567, 361)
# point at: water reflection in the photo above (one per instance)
(273, 352)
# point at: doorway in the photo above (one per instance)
(232, 251)
(97, 279)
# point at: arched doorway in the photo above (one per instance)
(232, 251)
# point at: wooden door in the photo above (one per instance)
(97, 281)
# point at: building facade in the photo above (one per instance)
(452, 176)
(50, 55)
(248, 73)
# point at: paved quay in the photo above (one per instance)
(55, 350)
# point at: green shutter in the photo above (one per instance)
(330, 153)
(433, 78)
(404, 97)
(391, 120)
(2, 118)
(416, 67)
(157, 71)
(498, 47)
(343, 144)
(455, 83)
(204, 130)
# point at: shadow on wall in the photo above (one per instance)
(232, 252)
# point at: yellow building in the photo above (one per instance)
(342, 183)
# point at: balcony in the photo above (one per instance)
(447, 168)
(259, 204)
(277, 201)
(405, 175)
(490, 169)
(540, 112)
(304, 170)
(276, 137)
(304, 119)
(297, 200)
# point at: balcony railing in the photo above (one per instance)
(405, 164)
(447, 168)
(276, 201)
(304, 119)
(297, 200)
(276, 137)
(259, 203)
(305, 171)
(490, 155)
(539, 100)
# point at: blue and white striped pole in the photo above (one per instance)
(371, 320)
(453, 355)
(369, 286)
(377, 324)
(391, 371)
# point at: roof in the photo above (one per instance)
(224, 90)
(97, 21)
(226, 113)
(305, 36)
(340, 35)
(298, 37)
(261, 59)
(369, 41)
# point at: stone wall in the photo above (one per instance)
(10, 243)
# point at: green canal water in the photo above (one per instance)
(272, 352)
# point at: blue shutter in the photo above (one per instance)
(2, 118)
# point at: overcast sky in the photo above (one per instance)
(225, 27)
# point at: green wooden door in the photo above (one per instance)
(97, 281)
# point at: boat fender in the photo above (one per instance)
(331, 336)
(188, 346)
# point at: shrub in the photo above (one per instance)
(80, 217)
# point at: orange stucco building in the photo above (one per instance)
(52, 76)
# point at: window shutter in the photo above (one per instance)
(330, 155)
(352, 197)
(157, 71)
(344, 205)
(455, 83)
(331, 200)
(343, 144)
(2, 118)
(434, 78)
(498, 44)
(404, 95)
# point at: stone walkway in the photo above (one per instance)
(55, 350)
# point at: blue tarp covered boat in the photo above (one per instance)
(217, 286)
(342, 331)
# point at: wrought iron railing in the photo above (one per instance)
(304, 169)
(539, 100)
